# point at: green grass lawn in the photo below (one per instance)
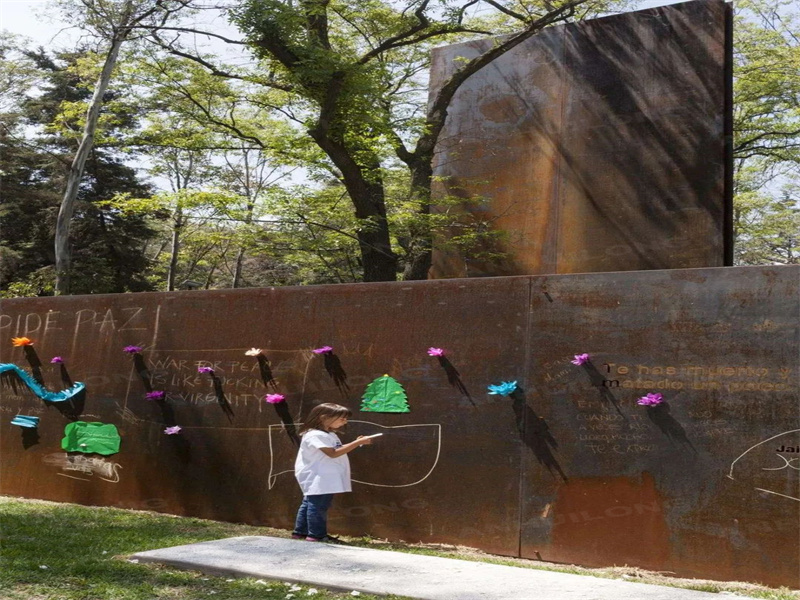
(53, 551)
(68, 552)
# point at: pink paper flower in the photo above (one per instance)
(56, 360)
(173, 430)
(650, 400)
(132, 349)
(323, 350)
(275, 398)
(155, 395)
(580, 359)
(205, 370)
(435, 351)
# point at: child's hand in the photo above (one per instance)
(363, 440)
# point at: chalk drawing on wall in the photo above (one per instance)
(241, 378)
(86, 465)
(764, 453)
(275, 452)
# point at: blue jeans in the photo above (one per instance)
(312, 516)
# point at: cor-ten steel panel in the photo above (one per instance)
(706, 482)
(597, 146)
(568, 468)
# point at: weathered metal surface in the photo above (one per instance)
(239, 467)
(598, 146)
(568, 469)
(665, 488)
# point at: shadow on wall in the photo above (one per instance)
(334, 368)
(221, 399)
(35, 364)
(143, 372)
(661, 417)
(30, 436)
(267, 378)
(535, 433)
(601, 383)
(454, 378)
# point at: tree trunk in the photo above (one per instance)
(176, 245)
(378, 259)
(420, 245)
(237, 273)
(367, 195)
(62, 248)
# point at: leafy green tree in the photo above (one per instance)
(107, 245)
(113, 23)
(347, 75)
(767, 228)
(767, 81)
(766, 131)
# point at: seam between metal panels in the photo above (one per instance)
(526, 364)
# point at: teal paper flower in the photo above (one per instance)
(504, 389)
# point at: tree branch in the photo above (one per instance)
(213, 70)
(507, 11)
(438, 108)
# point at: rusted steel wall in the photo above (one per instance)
(598, 146)
(569, 468)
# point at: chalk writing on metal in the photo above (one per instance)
(788, 463)
(273, 475)
(88, 465)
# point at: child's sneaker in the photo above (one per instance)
(297, 536)
(328, 539)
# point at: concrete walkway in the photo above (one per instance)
(383, 572)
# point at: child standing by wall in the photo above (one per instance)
(322, 469)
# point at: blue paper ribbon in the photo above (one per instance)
(38, 389)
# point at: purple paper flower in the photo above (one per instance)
(173, 430)
(435, 351)
(323, 350)
(275, 398)
(155, 395)
(205, 370)
(132, 349)
(650, 400)
(56, 360)
(580, 359)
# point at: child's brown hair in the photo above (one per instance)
(324, 412)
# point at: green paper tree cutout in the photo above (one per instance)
(385, 394)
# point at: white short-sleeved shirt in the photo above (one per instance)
(318, 473)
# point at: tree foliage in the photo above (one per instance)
(767, 132)
(107, 246)
(346, 75)
(300, 150)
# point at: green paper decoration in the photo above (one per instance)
(385, 394)
(98, 438)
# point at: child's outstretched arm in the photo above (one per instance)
(345, 448)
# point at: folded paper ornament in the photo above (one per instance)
(25, 421)
(385, 394)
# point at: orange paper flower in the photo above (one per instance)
(22, 341)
